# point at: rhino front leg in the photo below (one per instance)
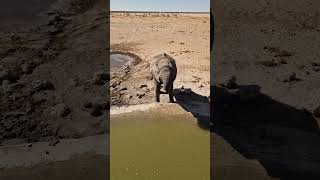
(171, 93)
(157, 90)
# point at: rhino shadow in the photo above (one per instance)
(284, 139)
(197, 104)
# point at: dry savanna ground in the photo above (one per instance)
(185, 37)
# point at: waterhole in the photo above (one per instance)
(157, 147)
(117, 61)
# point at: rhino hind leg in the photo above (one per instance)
(171, 94)
(157, 90)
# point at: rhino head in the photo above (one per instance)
(166, 78)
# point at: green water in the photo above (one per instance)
(158, 147)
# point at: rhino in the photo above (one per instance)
(164, 71)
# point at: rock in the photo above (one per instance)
(96, 110)
(231, 83)
(113, 84)
(146, 90)
(123, 89)
(316, 112)
(41, 85)
(143, 85)
(60, 110)
(128, 96)
(140, 95)
(149, 77)
(293, 77)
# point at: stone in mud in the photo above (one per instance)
(123, 89)
(146, 90)
(143, 85)
(292, 77)
(113, 84)
(232, 83)
(60, 110)
(41, 85)
(140, 95)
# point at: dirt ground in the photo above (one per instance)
(269, 111)
(185, 37)
(53, 71)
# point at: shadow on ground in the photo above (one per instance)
(284, 139)
(197, 104)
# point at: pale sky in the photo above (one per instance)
(161, 5)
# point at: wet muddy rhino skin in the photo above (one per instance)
(164, 71)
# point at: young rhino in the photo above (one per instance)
(164, 71)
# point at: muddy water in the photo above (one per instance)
(157, 147)
(117, 61)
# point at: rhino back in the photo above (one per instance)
(161, 61)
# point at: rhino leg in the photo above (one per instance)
(157, 90)
(171, 93)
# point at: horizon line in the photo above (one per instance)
(129, 11)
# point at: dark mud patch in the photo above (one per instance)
(121, 70)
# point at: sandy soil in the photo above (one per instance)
(269, 112)
(185, 37)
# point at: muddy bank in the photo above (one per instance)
(82, 167)
(54, 75)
